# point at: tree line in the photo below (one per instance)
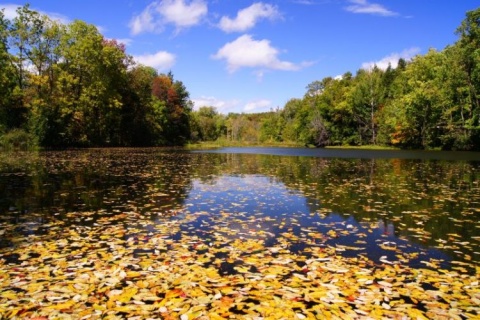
(66, 85)
(430, 102)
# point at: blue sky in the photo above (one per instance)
(253, 56)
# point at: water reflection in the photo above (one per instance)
(259, 208)
(354, 153)
(419, 210)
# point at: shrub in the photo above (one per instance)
(17, 139)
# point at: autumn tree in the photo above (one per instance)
(172, 100)
(69, 86)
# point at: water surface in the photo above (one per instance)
(418, 208)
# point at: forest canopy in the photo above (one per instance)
(430, 102)
(66, 85)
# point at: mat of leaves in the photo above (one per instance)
(125, 266)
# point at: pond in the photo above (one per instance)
(240, 233)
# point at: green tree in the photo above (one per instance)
(40, 94)
(25, 33)
(467, 66)
(333, 110)
(320, 134)
(236, 124)
(7, 78)
(140, 125)
(422, 102)
(91, 77)
(366, 100)
(70, 86)
(272, 127)
(384, 116)
(458, 113)
(469, 44)
(290, 115)
(243, 127)
(301, 121)
(392, 115)
(207, 124)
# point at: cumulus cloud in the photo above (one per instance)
(162, 60)
(181, 13)
(226, 106)
(363, 6)
(248, 17)
(247, 52)
(222, 106)
(392, 59)
(10, 12)
(257, 106)
(144, 22)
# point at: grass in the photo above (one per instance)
(365, 147)
(222, 143)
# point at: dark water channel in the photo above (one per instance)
(415, 208)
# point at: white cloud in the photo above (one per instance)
(363, 6)
(248, 17)
(392, 59)
(182, 14)
(101, 29)
(10, 12)
(257, 106)
(56, 17)
(156, 15)
(162, 60)
(222, 106)
(125, 41)
(144, 22)
(247, 52)
(226, 106)
(304, 2)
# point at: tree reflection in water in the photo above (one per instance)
(428, 208)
